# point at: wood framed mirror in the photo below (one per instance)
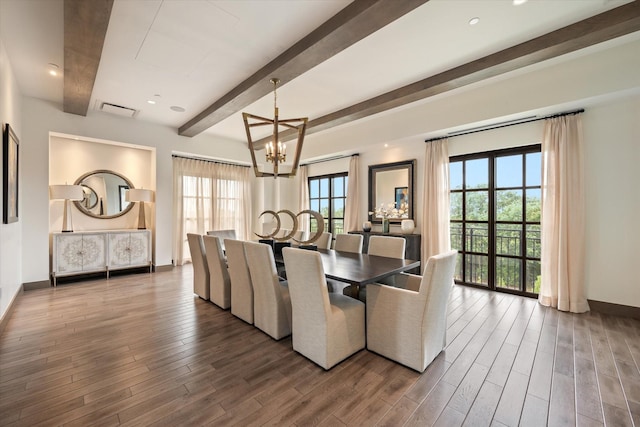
(104, 194)
(391, 187)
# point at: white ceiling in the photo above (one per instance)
(191, 52)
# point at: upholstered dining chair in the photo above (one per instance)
(386, 246)
(219, 282)
(327, 328)
(390, 247)
(298, 236)
(223, 234)
(280, 234)
(271, 301)
(241, 287)
(345, 243)
(410, 326)
(200, 267)
(324, 241)
(349, 243)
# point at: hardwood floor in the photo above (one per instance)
(140, 349)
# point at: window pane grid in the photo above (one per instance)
(328, 195)
(495, 219)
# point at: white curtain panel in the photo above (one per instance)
(303, 195)
(435, 204)
(563, 215)
(352, 208)
(208, 196)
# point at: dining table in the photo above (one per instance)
(358, 269)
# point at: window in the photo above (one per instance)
(196, 191)
(495, 219)
(209, 196)
(328, 195)
(198, 204)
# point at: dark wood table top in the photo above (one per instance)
(361, 269)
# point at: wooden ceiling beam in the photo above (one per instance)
(85, 27)
(597, 29)
(353, 23)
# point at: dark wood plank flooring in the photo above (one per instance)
(140, 349)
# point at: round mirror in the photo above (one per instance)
(104, 194)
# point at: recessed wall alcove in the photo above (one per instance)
(71, 157)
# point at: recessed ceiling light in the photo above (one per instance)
(519, 2)
(178, 109)
(151, 101)
(386, 145)
(53, 69)
(474, 21)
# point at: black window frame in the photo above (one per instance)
(329, 221)
(493, 223)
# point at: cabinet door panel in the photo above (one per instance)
(93, 252)
(69, 253)
(139, 245)
(119, 250)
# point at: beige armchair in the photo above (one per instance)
(200, 268)
(219, 282)
(327, 328)
(271, 302)
(409, 326)
(241, 287)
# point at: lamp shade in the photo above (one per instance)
(139, 195)
(66, 192)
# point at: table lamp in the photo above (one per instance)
(66, 193)
(140, 195)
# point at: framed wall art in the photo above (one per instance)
(402, 198)
(10, 152)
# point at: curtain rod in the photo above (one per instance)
(329, 159)
(220, 162)
(505, 124)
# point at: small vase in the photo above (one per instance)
(407, 226)
(385, 225)
(366, 226)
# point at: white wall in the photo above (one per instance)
(44, 117)
(612, 184)
(11, 240)
(612, 156)
(394, 153)
(71, 158)
(612, 164)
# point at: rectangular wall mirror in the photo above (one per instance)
(391, 186)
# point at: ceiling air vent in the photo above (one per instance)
(117, 109)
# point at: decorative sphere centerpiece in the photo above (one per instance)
(407, 226)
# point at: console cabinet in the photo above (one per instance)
(94, 251)
(412, 248)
